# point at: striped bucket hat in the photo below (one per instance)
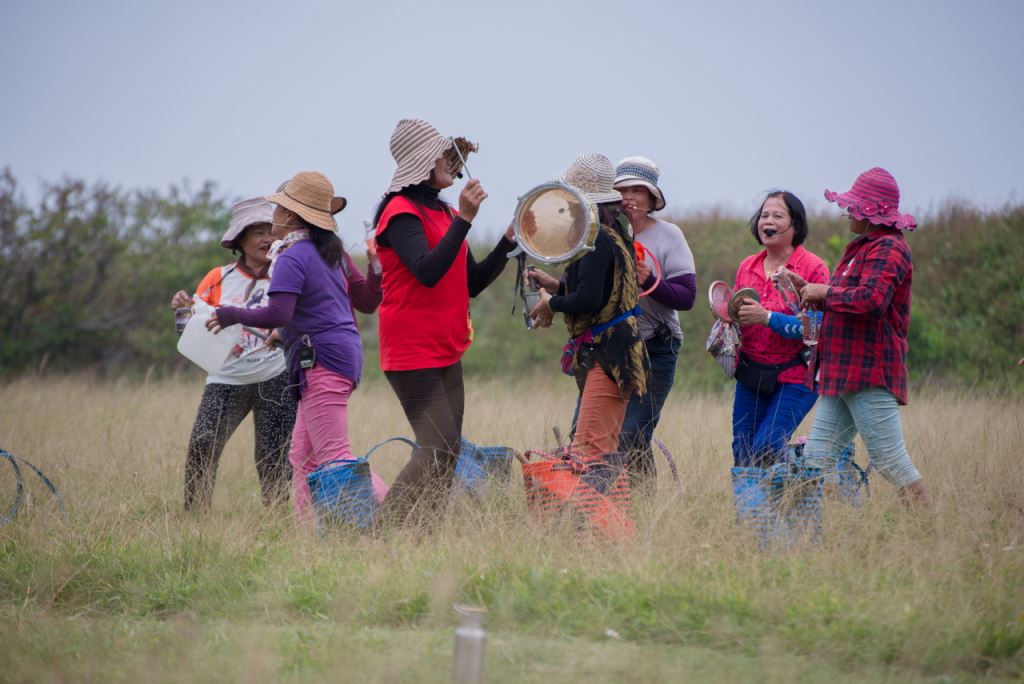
(244, 214)
(416, 147)
(594, 175)
(310, 195)
(633, 171)
(875, 197)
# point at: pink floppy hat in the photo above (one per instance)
(875, 197)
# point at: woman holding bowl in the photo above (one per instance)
(770, 399)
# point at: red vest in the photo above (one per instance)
(422, 327)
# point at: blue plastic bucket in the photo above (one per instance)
(795, 493)
(342, 491)
(849, 477)
(477, 465)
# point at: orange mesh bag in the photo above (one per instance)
(596, 491)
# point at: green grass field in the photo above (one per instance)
(128, 588)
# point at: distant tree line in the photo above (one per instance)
(86, 272)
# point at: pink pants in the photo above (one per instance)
(321, 435)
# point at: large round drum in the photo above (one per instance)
(555, 223)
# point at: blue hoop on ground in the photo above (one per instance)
(19, 496)
(671, 461)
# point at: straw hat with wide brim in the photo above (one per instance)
(594, 175)
(310, 195)
(416, 147)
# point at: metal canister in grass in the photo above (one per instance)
(470, 639)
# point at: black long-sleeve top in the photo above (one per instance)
(405, 235)
(588, 282)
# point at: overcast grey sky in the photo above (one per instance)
(730, 98)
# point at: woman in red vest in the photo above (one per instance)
(429, 276)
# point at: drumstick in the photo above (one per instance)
(462, 159)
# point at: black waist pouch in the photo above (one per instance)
(762, 378)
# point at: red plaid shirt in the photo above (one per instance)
(867, 315)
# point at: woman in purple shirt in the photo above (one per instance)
(311, 302)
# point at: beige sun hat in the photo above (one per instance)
(633, 171)
(310, 195)
(416, 147)
(594, 175)
(246, 213)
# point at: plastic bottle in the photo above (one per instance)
(531, 296)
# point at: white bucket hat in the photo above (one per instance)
(244, 214)
(633, 171)
(416, 147)
(593, 174)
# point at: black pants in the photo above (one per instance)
(434, 401)
(643, 413)
(221, 410)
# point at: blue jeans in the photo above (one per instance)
(874, 413)
(762, 426)
(643, 413)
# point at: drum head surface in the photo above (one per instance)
(719, 294)
(554, 222)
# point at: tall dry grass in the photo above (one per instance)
(129, 588)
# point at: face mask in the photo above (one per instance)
(285, 225)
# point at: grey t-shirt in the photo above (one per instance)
(668, 244)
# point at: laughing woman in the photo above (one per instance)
(771, 399)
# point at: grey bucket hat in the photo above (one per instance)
(244, 214)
